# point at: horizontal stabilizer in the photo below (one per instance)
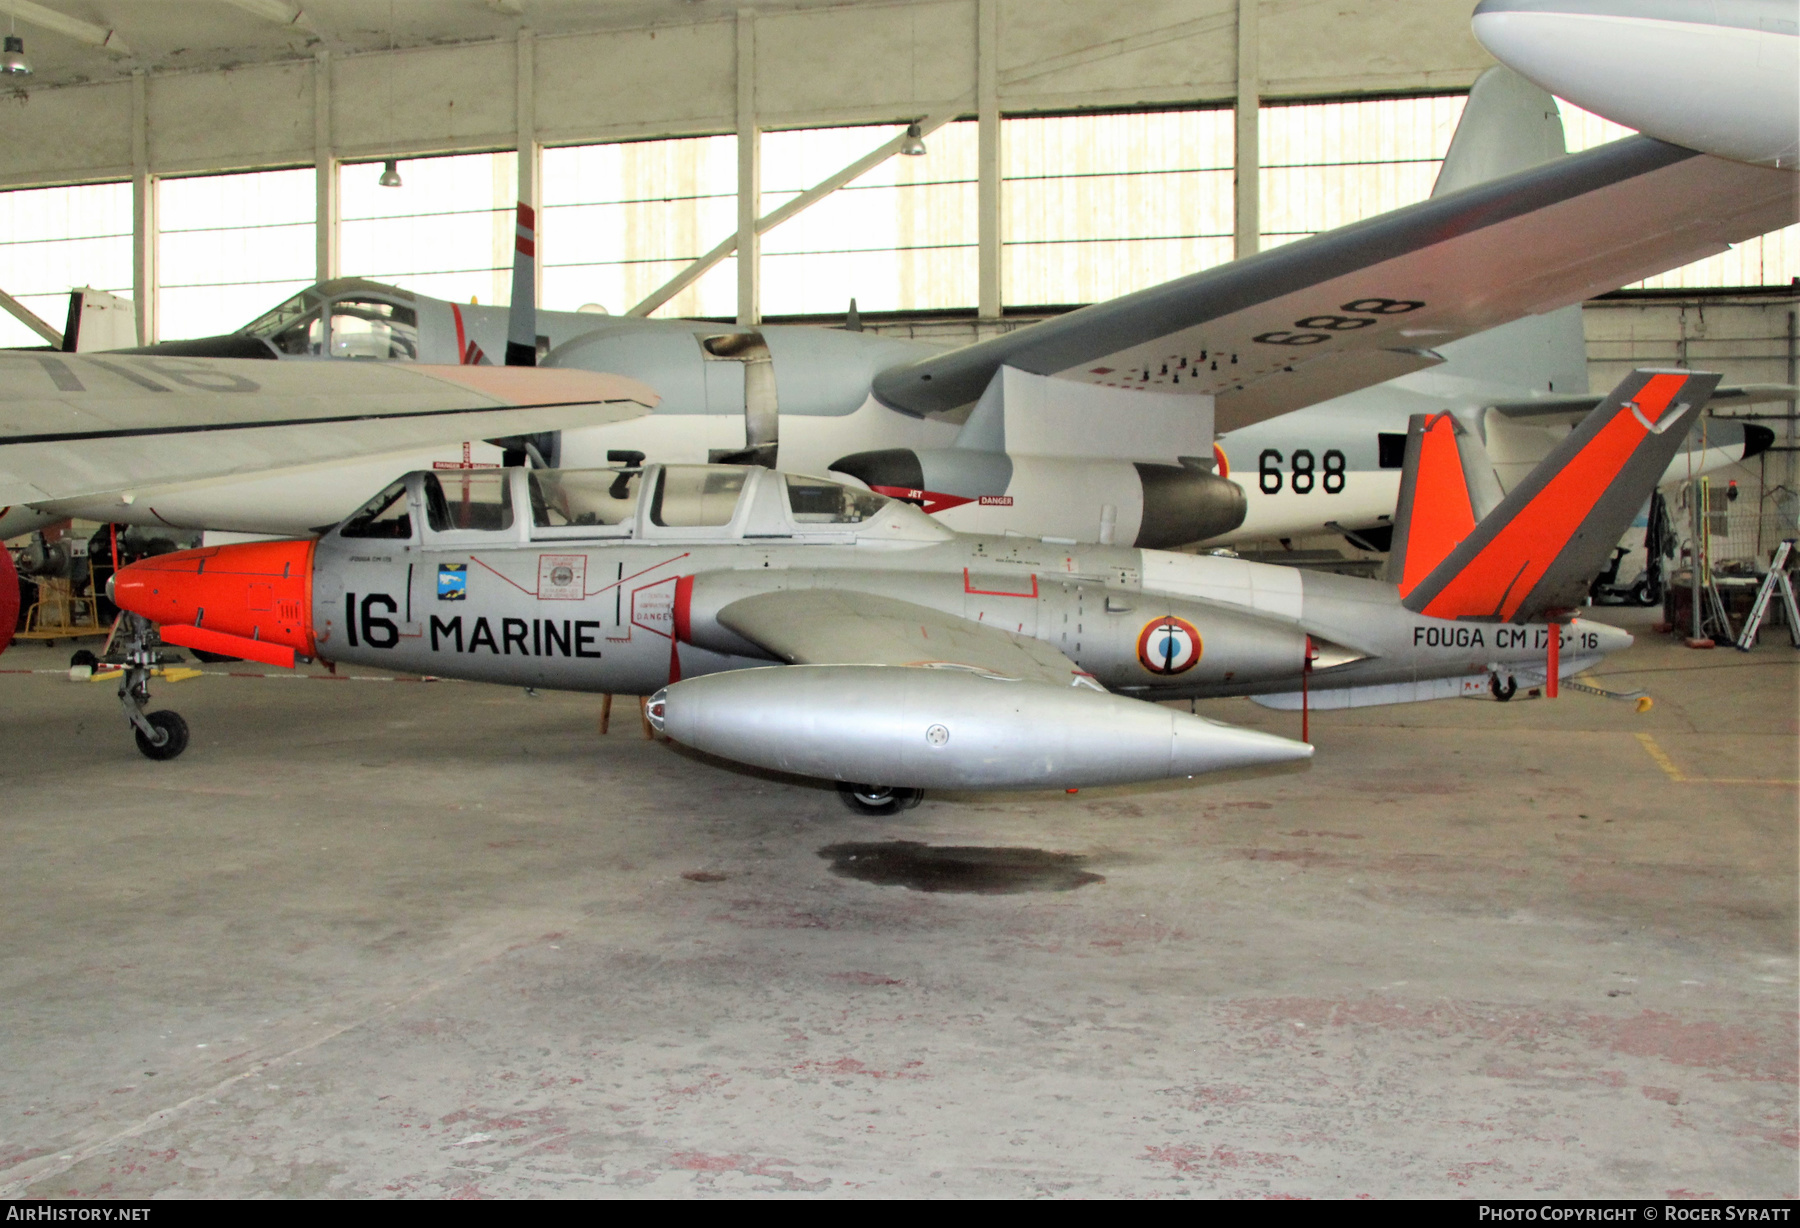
(1436, 511)
(1538, 551)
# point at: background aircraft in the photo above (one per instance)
(92, 431)
(1722, 77)
(1005, 434)
(797, 624)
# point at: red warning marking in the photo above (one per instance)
(930, 501)
(989, 592)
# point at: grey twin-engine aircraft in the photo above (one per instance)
(908, 655)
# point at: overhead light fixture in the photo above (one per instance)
(12, 61)
(390, 174)
(914, 144)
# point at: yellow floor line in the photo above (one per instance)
(1675, 774)
(1662, 759)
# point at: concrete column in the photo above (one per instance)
(530, 189)
(1248, 194)
(749, 192)
(987, 111)
(143, 212)
(325, 174)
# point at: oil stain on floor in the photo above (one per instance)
(985, 871)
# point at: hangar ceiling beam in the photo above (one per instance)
(812, 196)
(81, 31)
(143, 212)
(987, 141)
(325, 174)
(1247, 156)
(278, 11)
(749, 176)
(30, 319)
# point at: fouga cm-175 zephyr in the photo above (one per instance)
(801, 625)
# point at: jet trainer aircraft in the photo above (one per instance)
(81, 427)
(802, 625)
(1098, 425)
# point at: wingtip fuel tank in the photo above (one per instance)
(925, 728)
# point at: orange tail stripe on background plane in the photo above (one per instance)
(1436, 513)
(1503, 572)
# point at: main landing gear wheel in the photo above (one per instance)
(174, 733)
(879, 799)
(1502, 693)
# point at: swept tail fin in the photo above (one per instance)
(1537, 552)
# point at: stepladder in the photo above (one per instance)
(1777, 581)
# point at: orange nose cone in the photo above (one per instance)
(259, 593)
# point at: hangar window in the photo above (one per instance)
(1095, 206)
(1327, 164)
(459, 499)
(446, 231)
(816, 501)
(903, 236)
(580, 498)
(55, 238)
(696, 496)
(388, 515)
(620, 220)
(229, 245)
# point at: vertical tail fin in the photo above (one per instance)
(1537, 552)
(521, 319)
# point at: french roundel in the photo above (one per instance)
(1169, 646)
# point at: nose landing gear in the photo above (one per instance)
(1502, 693)
(160, 735)
(879, 799)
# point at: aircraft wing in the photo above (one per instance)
(74, 425)
(1365, 303)
(834, 627)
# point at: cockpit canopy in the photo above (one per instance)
(346, 318)
(654, 503)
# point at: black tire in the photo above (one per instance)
(1645, 593)
(174, 731)
(1502, 693)
(83, 657)
(878, 799)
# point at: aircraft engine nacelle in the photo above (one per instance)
(924, 728)
(1114, 502)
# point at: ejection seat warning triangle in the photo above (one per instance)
(453, 581)
(562, 577)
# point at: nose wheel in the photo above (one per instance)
(879, 799)
(1502, 693)
(160, 735)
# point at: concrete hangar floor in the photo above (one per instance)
(370, 939)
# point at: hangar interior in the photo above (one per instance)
(444, 941)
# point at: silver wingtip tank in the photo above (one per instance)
(914, 727)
